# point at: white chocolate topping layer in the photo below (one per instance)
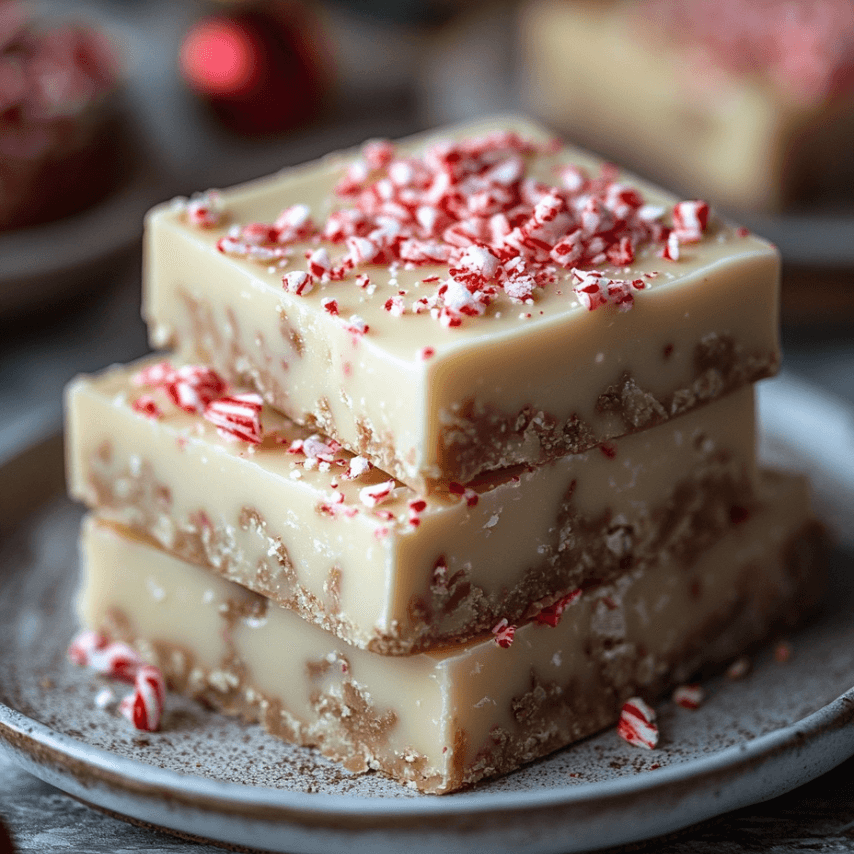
(530, 373)
(441, 720)
(369, 559)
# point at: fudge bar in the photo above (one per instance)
(464, 302)
(298, 519)
(750, 104)
(445, 719)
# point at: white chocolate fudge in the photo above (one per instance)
(441, 720)
(748, 104)
(445, 308)
(305, 523)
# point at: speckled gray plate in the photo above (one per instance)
(215, 778)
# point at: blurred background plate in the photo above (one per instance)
(46, 263)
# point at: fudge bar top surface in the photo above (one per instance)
(519, 220)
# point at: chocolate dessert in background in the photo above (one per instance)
(59, 121)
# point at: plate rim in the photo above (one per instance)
(33, 738)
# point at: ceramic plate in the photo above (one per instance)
(216, 778)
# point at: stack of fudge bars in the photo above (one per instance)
(455, 453)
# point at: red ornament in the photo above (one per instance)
(260, 67)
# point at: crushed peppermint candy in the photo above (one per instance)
(146, 405)
(319, 264)
(105, 698)
(319, 448)
(689, 696)
(504, 633)
(690, 220)
(194, 387)
(144, 706)
(637, 724)
(670, 250)
(416, 507)
(356, 325)
(373, 495)
(594, 289)
(237, 417)
(465, 492)
(804, 48)
(205, 210)
(357, 467)
(111, 658)
(472, 206)
(551, 614)
(190, 387)
(395, 306)
(298, 282)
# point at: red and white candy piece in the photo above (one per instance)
(551, 614)
(460, 301)
(356, 325)
(357, 467)
(294, 223)
(637, 724)
(144, 707)
(395, 306)
(111, 658)
(105, 698)
(593, 290)
(373, 495)
(146, 405)
(193, 387)
(84, 645)
(670, 251)
(469, 205)
(689, 696)
(205, 210)
(237, 417)
(416, 507)
(504, 632)
(298, 282)
(690, 220)
(317, 447)
(466, 492)
(319, 264)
